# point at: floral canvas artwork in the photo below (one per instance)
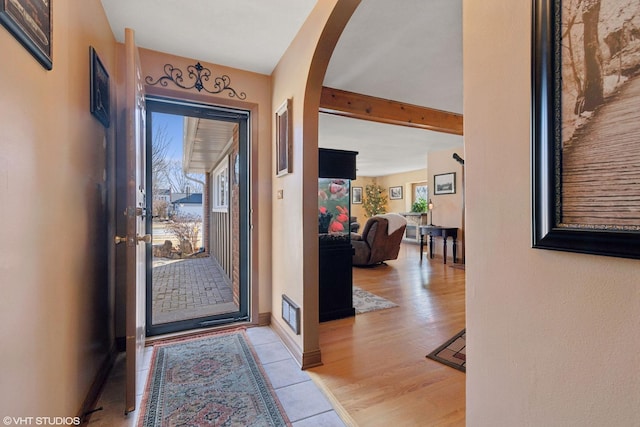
(333, 206)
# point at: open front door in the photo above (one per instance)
(135, 212)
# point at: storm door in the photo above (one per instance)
(198, 263)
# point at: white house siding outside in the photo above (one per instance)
(187, 204)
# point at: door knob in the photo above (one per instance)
(119, 239)
(146, 238)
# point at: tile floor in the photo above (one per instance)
(303, 402)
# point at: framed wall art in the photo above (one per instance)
(585, 161)
(99, 89)
(356, 195)
(30, 23)
(395, 193)
(444, 183)
(283, 138)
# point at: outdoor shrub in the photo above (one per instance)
(186, 228)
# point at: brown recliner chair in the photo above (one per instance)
(376, 245)
(354, 225)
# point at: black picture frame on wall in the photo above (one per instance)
(31, 24)
(284, 138)
(395, 193)
(356, 196)
(559, 171)
(99, 89)
(444, 183)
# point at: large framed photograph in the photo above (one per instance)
(586, 132)
(283, 138)
(99, 89)
(444, 183)
(30, 23)
(356, 195)
(395, 193)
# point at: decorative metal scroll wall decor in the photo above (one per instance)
(585, 133)
(198, 75)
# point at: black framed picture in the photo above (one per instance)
(585, 133)
(356, 195)
(99, 90)
(30, 23)
(395, 193)
(444, 183)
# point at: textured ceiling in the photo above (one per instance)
(383, 149)
(405, 50)
(408, 51)
(246, 34)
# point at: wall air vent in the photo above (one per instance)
(291, 314)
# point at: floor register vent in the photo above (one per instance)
(291, 314)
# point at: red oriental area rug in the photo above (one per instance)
(209, 380)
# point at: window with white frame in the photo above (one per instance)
(220, 187)
(421, 192)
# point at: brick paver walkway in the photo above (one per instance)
(189, 288)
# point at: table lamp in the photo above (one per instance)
(430, 206)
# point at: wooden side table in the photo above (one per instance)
(436, 231)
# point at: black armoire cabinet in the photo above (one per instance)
(336, 170)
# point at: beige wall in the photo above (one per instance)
(57, 303)
(552, 336)
(357, 210)
(403, 180)
(447, 208)
(299, 76)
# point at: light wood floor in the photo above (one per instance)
(375, 364)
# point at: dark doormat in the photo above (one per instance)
(453, 352)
